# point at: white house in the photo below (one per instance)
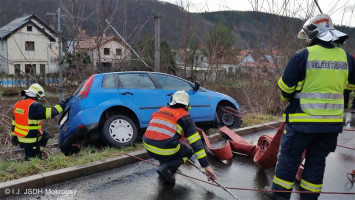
(106, 50)
(28, 45)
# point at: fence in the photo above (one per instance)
(17, 81)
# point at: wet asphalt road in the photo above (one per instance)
(140, 180)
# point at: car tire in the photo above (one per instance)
(226, 118)
(119, 131)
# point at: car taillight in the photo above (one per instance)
(84, 91)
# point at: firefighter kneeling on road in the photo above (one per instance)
(163, 138)
(27, 121)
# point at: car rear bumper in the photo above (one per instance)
(66, 144)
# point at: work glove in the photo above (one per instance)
(14, 140)
(211, 176)
(64, 101)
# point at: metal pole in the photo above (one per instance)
(224, 188)
(60, 58)
(157, 43)
(315, 1)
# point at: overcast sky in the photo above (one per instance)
(341, 11)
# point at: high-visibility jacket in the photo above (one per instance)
(321, 97)
(314, 81)
(163, 124)
(22, 122)
(167, 127)
(27, 119)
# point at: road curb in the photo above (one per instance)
(49, 178)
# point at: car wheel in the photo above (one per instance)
(119, 131)
(73, 149)
(226, 118)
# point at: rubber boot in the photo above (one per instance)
(273, 195)
(164, 171)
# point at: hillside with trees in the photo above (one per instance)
(134, 19)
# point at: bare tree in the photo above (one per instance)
(219, 43)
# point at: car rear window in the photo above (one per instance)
(79, 87)
(136, 80)
(172, 83)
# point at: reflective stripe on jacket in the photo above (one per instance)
(22, 123)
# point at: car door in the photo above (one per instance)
(139, 93)
(199, 102)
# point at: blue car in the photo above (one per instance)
(115, 107)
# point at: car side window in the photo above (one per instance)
(136, 80)
(172, 83)
(110, 81)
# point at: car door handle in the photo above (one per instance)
(127, 93)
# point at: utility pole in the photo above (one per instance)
(60, 57)
(157, 43)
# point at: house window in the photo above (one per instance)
(29, 46)
(17, 69)
(30, 68)
(29, 28)
(118, 52)
(42, 68)
(106, 51)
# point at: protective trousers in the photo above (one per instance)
(174, 161)
(34, 149)
(317, 146)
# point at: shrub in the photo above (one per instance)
(11, 92)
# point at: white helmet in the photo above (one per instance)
(35, 90)
(321, 26)
(180, 97)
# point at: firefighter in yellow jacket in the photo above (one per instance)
(163, 138)
(313, 83)
(27, 121)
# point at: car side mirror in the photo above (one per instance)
(197, 86)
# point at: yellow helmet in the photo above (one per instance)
(35, 90)
(180, 97)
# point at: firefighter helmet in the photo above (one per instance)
(35, 90)
(321, 27)
(180, 97)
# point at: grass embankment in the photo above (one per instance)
(13, 169)
(254, 119)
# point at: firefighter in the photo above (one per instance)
(163, 139)
(27, 121)
(313, 83)
(346, 101)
